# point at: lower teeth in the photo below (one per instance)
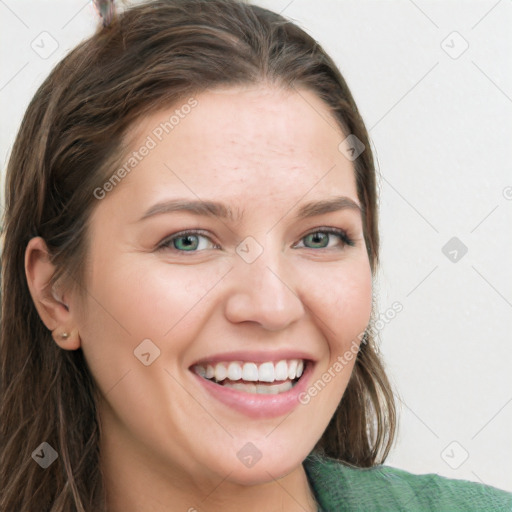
(262, 389)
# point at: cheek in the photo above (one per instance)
(170, 298)
(341, 298)
(353, 303)
(150, 296)
(341, 311)
(135, 301)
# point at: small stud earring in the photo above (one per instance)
(64, 335)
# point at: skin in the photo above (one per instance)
(166, 443)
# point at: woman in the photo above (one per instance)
(186, 303)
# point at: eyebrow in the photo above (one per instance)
(215, 209)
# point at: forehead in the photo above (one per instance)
(234, 143)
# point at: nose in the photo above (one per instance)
(264, 292)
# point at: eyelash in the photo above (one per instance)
(166, 242)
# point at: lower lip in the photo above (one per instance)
(258, 405)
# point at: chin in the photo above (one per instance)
(262, 472)
(251, 466)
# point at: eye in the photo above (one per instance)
(186, 241)
(320, 238)
(195, 241)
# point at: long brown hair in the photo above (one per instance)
(71, 137)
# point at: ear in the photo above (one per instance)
(54, 311)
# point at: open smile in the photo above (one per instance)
(256, 388)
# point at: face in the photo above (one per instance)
(261, 287)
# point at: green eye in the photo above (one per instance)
(320, 239)
(194, 241)
(188, 241)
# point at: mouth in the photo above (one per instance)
(265, 378)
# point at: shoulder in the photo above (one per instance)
(340, 487)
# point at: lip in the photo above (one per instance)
(257, 405)
(255, 357)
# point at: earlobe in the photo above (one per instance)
(53, 310)
(67, 340)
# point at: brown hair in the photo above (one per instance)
(71, 137)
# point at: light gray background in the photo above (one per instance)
(440, 124)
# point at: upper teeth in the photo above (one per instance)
(264, 372)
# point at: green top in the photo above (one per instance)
(339, 487)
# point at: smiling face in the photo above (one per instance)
(262, 281)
